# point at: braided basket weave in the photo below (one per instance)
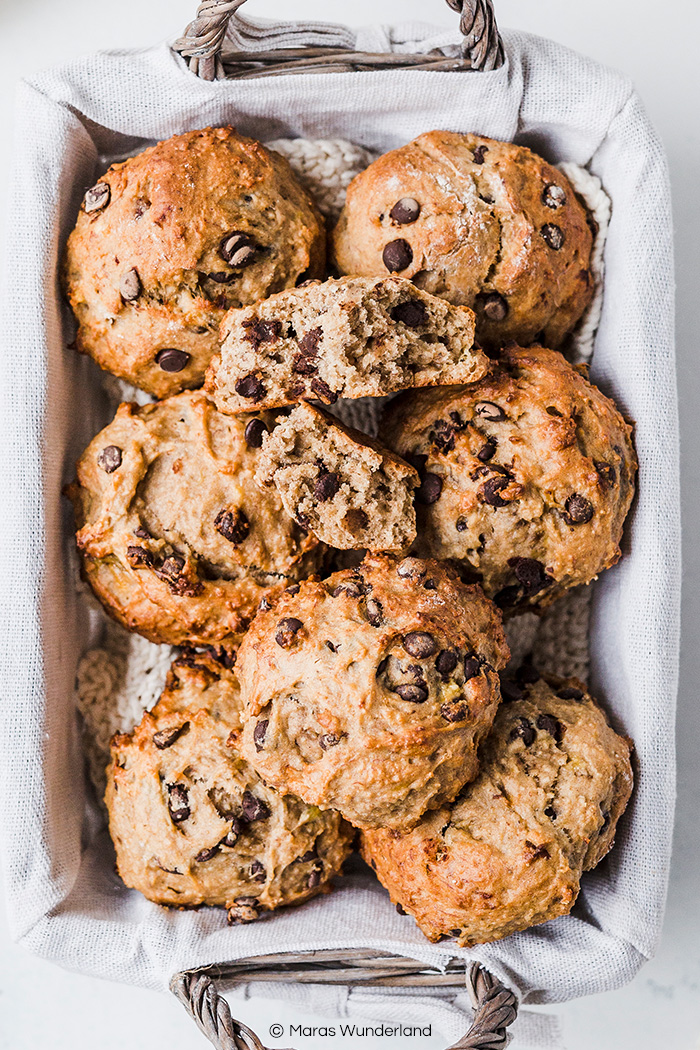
(495, 1007)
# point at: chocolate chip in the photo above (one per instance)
(259, 331)
(488, 410)
(478, 154)
(537, 852)
(292, 588)
(375, 612)
(354, 588)
(97, 197)
(333, 648)
(401, 910)
(446, 661)
(531, 574)
(130, 285)
(311, 854)
(329, 740)
(510, 691)
(167, 737)
(178, 803)
(171, 360)
(171, 571)
(442, 435)
(309, 343)
(525, 731)
(206, 854)
(415, 694)
(142, 533)
(492, 488)
(461, 524)
(420, 644)
(326, 486)
(259, 733)
(245, 909)
(397, 255)
(579, 510)
(553, 196)
(264, 605)
(487, 451)
(412, 313)
(254, 432)
(550, 812)
(454, 711)
(254, 808)
(221, 277)
(429, 490)
(223, 656)
(551, 725)
(287, 630)
(172, 566)
(410, 569)
(237, 248)
(110, 458)
(472, 666)
(138, 557)
(405, 211)
(553, 236)
(304, 366)
(250, 387)
(231, 837)
(492, 305)
(233, 525)
(606, 473)
(324, 392)
(315, 874)
(570, 693)
(430, 585)
(257, 871)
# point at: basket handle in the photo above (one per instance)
(202, 42)
(495, 1009)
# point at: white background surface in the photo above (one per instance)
(41, 1005)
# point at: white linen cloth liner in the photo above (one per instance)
(64, 899)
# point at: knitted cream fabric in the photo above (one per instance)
(122, 677)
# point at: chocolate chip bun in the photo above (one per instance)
(170, 239)
(338, 483)
(510, 851)
(178, 543)
(356, 337)
(483, 223)
(370, 691)
(191, 821)
(527, 476)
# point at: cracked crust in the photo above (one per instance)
(177, 541)
(369, 692)
(509, 853)
(151, 271)
(487, 224)
(338, 483)
(353, 337)
(191, 821)
(528, 476)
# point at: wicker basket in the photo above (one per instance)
(495, 1006)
